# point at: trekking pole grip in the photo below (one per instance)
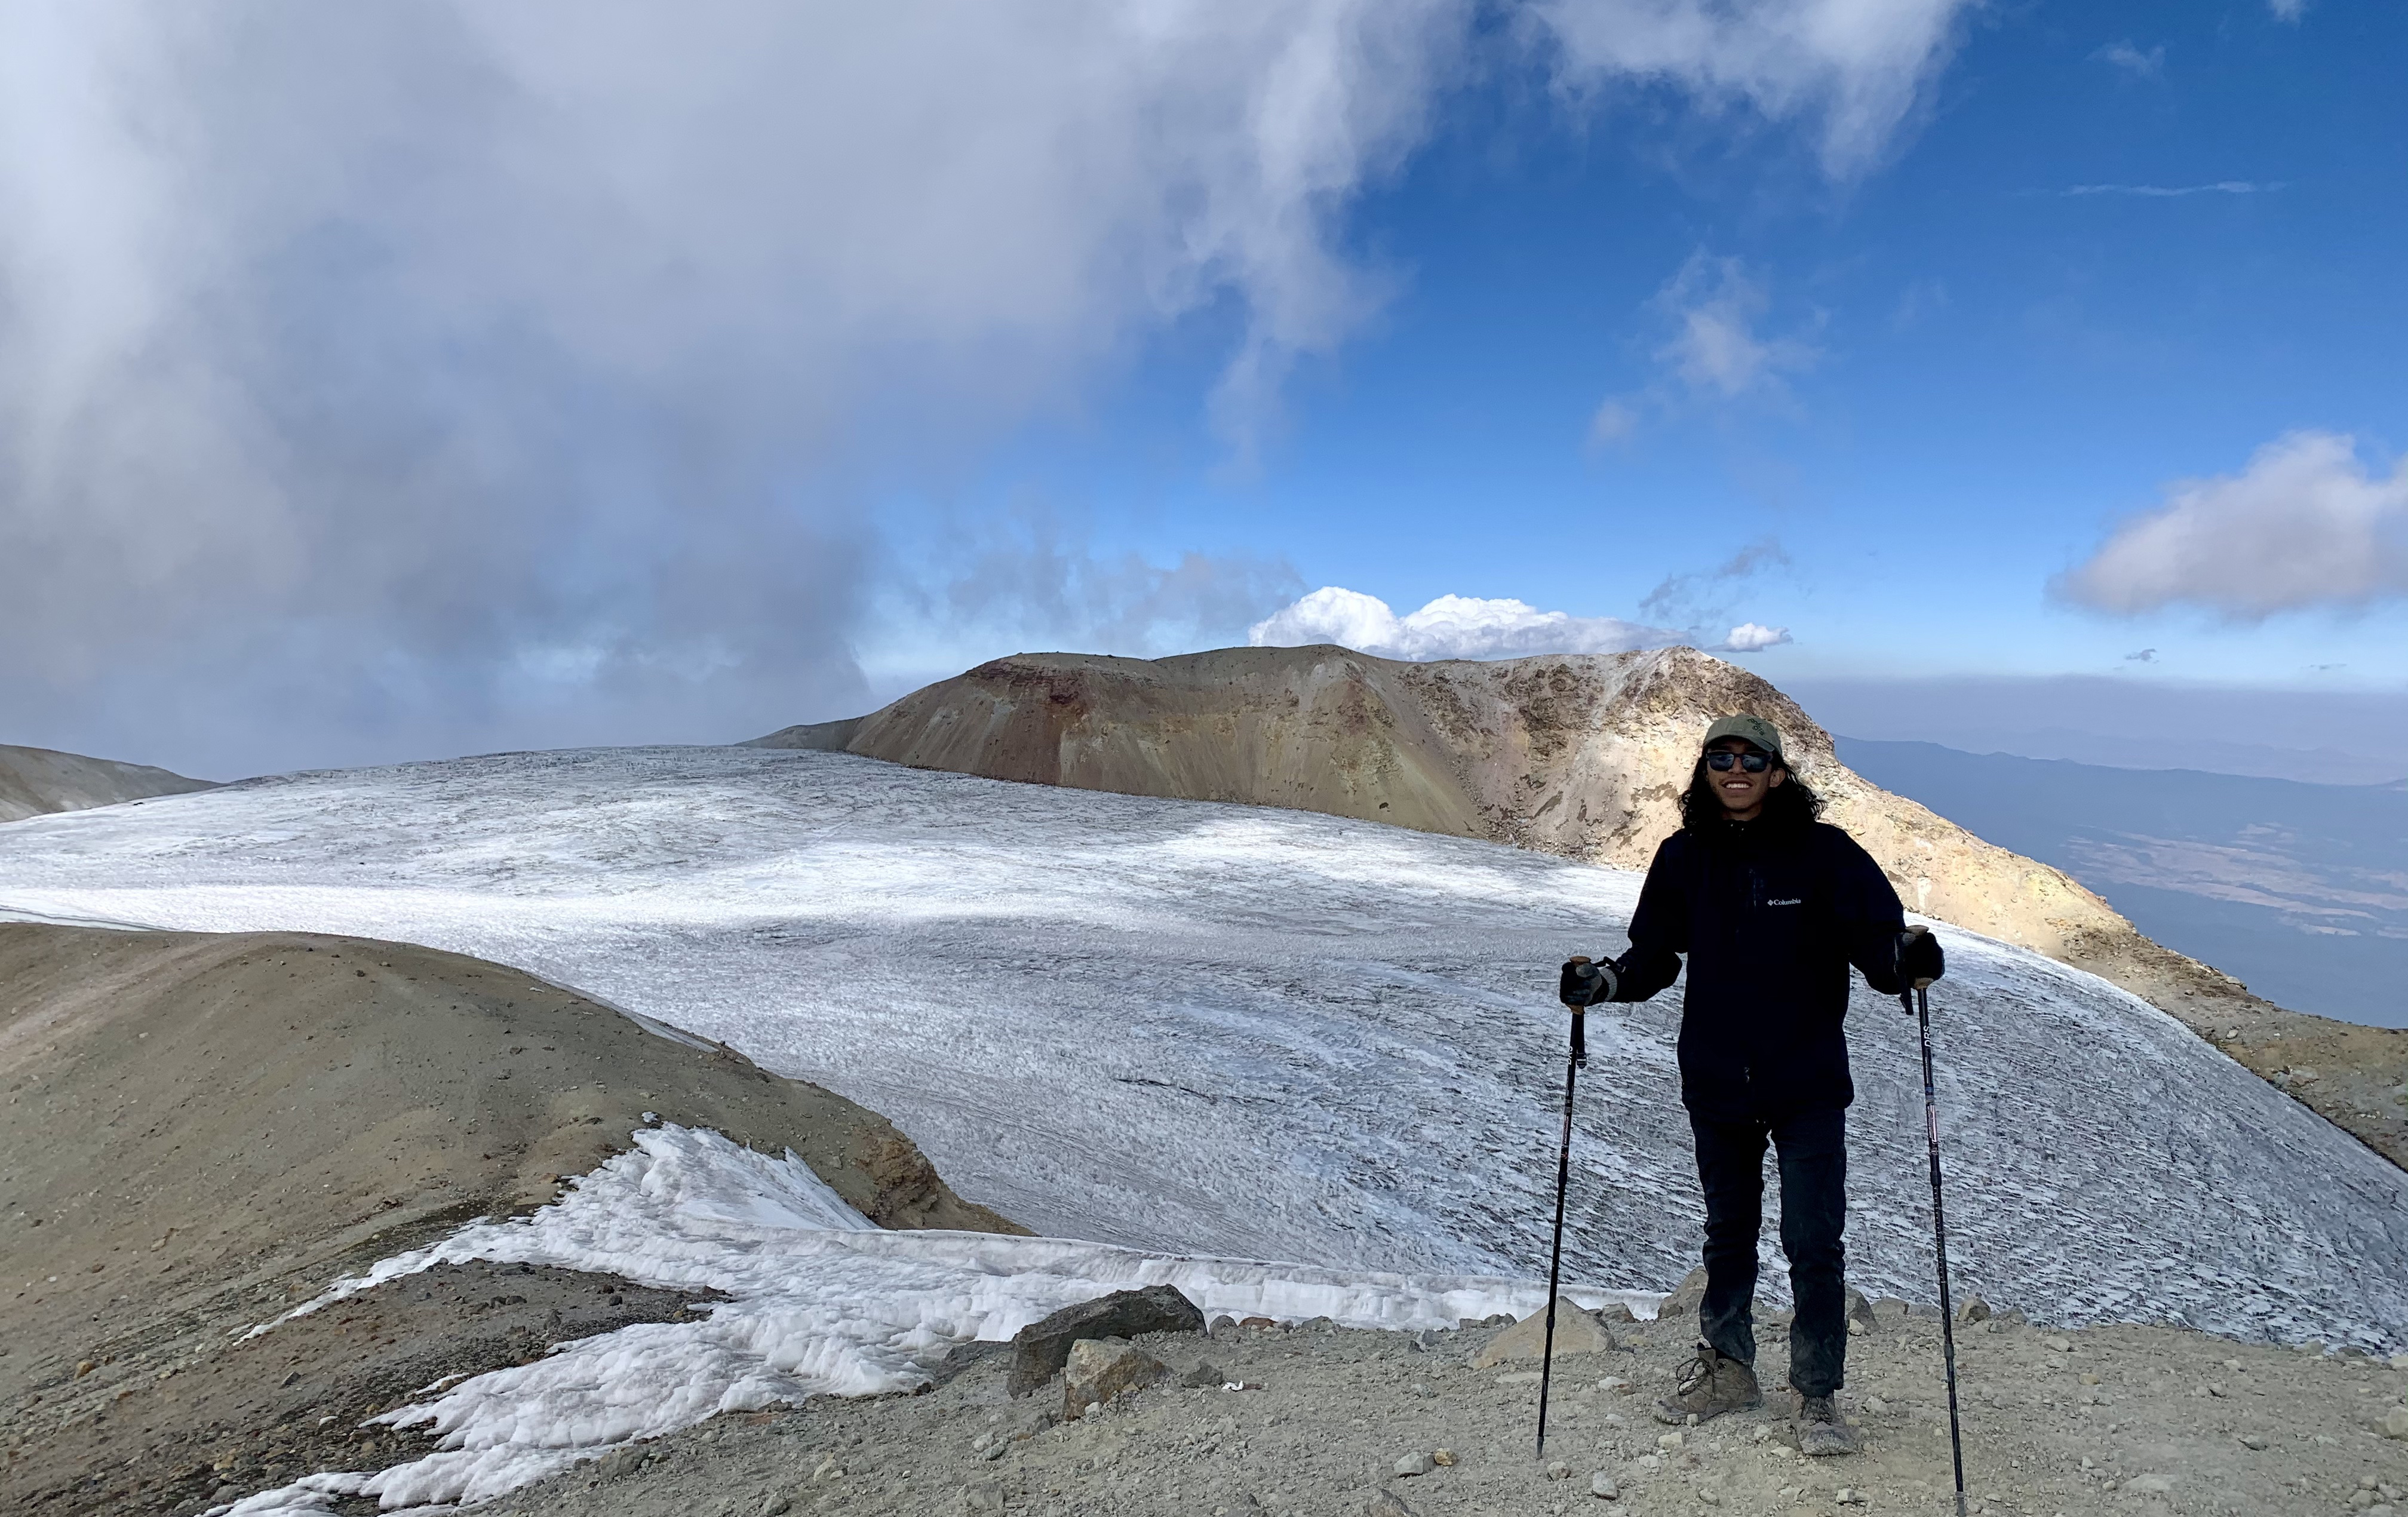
(1919, 930)
(1580, 1022)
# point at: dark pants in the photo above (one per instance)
(1814, 1155)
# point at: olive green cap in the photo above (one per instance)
(1754, 729)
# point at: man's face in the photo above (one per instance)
(1741, 793)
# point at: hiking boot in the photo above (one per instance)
(1710, 1386)
(1822, 1431)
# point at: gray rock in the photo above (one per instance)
(1039, 1350)
(1412, 1464)
(1601, 1486)
(1576, 1332)
(1206, 1375)
(1099, 1370)
(776, 1506)
(1974, 1310)
(982, 1496)
(1686, 1296)
(1860, 1311)
(1387, 1504)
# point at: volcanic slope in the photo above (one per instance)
(1583, 756)
(35, 781)
(1263, 1032)
(200, 1129)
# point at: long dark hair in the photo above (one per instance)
(1788, 804)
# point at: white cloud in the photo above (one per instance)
(1450, 626)
(1752, 637)
(2175, 191)
(2124, 55)
(2288, 10)
(1715, 348)
(1854, 66)
(2305, 525)
(1459, 626)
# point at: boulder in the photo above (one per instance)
(1686, 1296)
(1860, 1311)
(1576, 1332)
(1099, 1370)
(1039, 1350)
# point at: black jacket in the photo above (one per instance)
(1770, 917)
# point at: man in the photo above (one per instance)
(1770, 906)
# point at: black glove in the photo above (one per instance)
(1919, 959)
(1587, 984)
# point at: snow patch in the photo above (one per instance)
(825, 1303)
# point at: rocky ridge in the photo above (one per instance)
(1583, 756)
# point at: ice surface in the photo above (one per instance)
(825, 1303)
(1186, 1028)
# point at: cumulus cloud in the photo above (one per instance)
(444, 375)
(1752, 637)
(2305, 525)
(2124, 55)
(1855, 67)
(1461, 627)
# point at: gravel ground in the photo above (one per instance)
(2127, 1419)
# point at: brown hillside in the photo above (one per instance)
(36, 781)
(200, 1130)
(1579, 755)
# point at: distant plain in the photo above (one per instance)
(2300, 890)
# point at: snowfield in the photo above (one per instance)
(1181, 1028)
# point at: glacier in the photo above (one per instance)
(1191, 1029)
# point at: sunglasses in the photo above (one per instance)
(1721, 761)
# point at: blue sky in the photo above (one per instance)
(385, 384)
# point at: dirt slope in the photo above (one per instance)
(198, 1130)
(1580, 755)
(2118, 1420)
(36, 781)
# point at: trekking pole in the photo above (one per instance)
(1562, 1182)
(1919, 1002)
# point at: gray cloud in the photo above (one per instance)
(1698, 599)
(379, 380)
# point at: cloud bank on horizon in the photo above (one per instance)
(1460, 626)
